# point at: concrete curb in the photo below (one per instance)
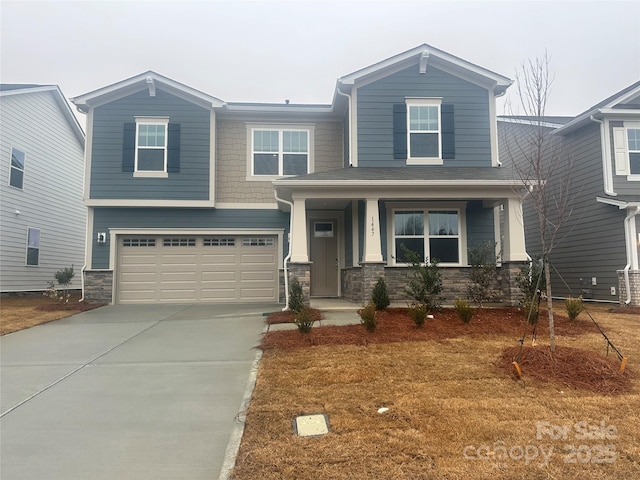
(235, 438)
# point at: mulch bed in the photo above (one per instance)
(394, 325)
(570, 367)
(71, 306)
(289, 316)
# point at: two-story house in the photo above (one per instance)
(193, 199)
(598, 246)
(42, 218)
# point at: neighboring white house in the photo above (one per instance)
(42, 215)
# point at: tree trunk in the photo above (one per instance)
(547, 277)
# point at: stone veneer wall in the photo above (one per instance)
(98, 286)
(358, 282)
(634, 283)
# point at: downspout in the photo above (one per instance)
(288, 257)
(629, 237)
(349, 122)
(606, 164)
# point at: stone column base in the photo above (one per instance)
(634, 284)
(512, 295)
(302, 273)
(371, 272)
(98, 286)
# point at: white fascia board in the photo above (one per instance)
(133, 203)
(246, 206)
(139, 82)
(436, 57)
(621, 204)
(534, 123)
(613, 113)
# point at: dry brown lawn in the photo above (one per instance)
(18, 312)
(454, 412)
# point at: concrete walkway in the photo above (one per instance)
(127, 392)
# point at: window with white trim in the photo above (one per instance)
(279, 152)
(33, 247)
(151, 145)
(626, 150)
(424, 130)
(440, 239)
(16, 175)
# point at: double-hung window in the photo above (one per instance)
(424, 130)
(278, 152)
(633, 142)
(16, 175)
(433, 234)
(151, 146)
(33, 247)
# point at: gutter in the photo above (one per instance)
(606, 164)
(629, 237)
(350, 128)
(288, 257)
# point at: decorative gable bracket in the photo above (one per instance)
(151, 86)
(424, 58)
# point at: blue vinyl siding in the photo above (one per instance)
(108, 181)
(480, 227)
(375, 116)
(174, 218)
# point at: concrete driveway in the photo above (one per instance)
(127, 392)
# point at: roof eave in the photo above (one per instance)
(140, 82)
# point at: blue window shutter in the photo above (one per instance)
(128, 147)
(173, 148)
(448, 131)
(400, 131)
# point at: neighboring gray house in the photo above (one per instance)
(193, 199)
(598, 249)
(42, 216)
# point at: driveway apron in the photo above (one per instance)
(126, 392)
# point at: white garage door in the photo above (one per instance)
(197, 269)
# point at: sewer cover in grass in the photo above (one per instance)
(311, 425)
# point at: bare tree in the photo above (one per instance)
(536, 156)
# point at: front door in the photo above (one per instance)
(324, 255)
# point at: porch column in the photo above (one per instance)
(299, 253)
(514, 246)
(372, 247)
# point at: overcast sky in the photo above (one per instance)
(269, 51)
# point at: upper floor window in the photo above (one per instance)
(278, 152)
(16, 176)
(33, 247)
(423, 117)
(626, 150)
(151, 146)
(423, 131)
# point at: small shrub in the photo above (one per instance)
(482, 274)
(574, 307)
(64, 278)
(425, 281)
(304, 320)
(418, 313)
(380, 295)
(296, 297)
(368, 316)
(464, 310)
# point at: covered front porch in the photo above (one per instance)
(346, 233)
